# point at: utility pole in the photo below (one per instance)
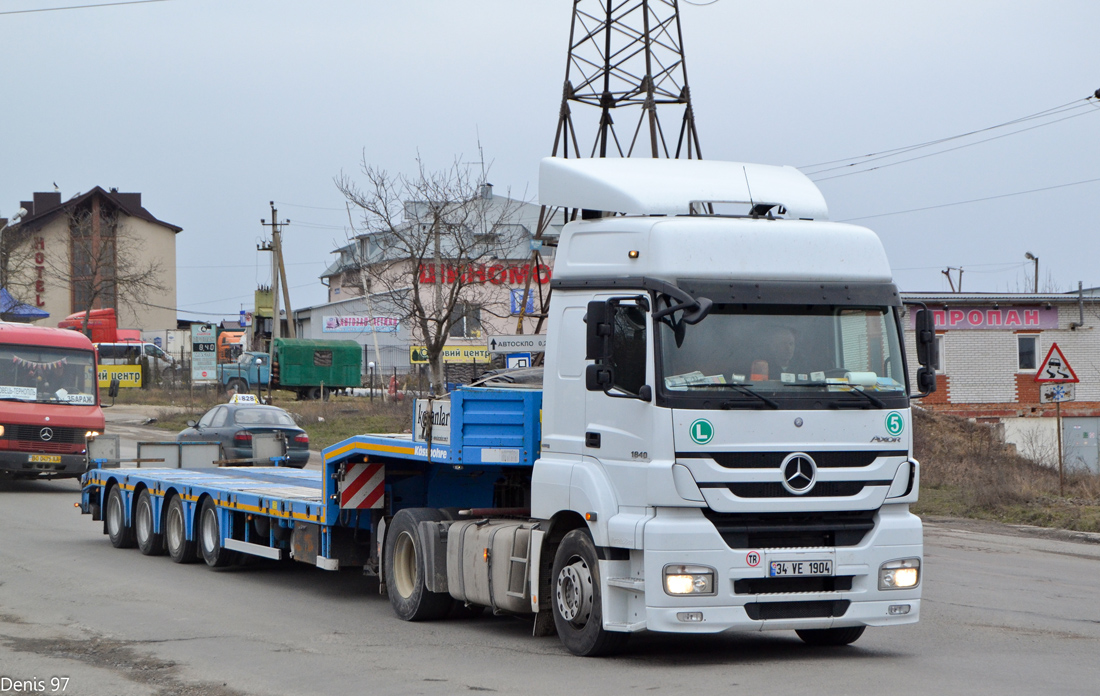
(278, 274)
(624, 56)
(947, 272)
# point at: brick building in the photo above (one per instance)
(991, 348)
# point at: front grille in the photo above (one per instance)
(33, 433)
(52, 447)
(763, 611)
(785, 530)
(840, 583)
(772, 460)
(822, 489)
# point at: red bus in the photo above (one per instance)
(49, 401)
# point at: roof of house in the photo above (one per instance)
(46, 205)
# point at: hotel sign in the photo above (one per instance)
(1007, 318)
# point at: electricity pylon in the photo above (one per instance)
(624, 56)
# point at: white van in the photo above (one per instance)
(131, 353)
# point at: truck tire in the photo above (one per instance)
(239, 385)
(148, 542)
(121, 535)
(175, 532)
(210, 537)
(831, 636)
(576, 598)
(410, 598)
(312, 393)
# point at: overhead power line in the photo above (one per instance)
(79, 7)
(973, 200)
(951, 149)
(853, 162)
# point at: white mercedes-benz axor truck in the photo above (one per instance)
(725, 409)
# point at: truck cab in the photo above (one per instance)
(251, 368)
(726, 409)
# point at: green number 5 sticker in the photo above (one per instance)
(895, 423)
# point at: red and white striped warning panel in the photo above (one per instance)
(363, 486)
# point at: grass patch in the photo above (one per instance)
(967, 470)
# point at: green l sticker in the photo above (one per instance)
(701, 431)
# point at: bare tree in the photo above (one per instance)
(428, 238)
(17, 268)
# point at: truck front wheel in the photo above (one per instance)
(405, 568)
(831, 636)
(577, 601)
(121, 535)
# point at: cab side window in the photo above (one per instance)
(628, 346)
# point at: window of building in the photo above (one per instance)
(467, 321)
(939, 355)
(1027, 352)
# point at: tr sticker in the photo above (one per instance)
(752, 558)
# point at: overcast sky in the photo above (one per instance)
(211, 108)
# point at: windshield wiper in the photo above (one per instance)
(879, 403)
(739, 387)
(851, 389)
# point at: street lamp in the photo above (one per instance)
(1031, 257)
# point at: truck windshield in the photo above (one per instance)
(47, 375)
(781, 351)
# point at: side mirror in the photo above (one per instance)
(112, 391)
(600, 319)
(927, 355)
(599, 377)
(192, 424)
(926, 380)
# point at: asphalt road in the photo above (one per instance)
(1004, 612)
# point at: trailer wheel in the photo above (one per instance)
(410, 598)
(121, 536)
(831, 636)
(148, 542)
(577, 602)
(175, 533)
(210, 537)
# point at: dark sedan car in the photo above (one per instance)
(233, 425)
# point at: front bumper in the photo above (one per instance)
(19, 465)
(676, 537)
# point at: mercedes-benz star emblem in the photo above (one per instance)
(46, 434)
(799, 473)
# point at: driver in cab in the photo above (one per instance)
(775, 355)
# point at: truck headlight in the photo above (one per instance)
(899, 575)
(689, 580)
